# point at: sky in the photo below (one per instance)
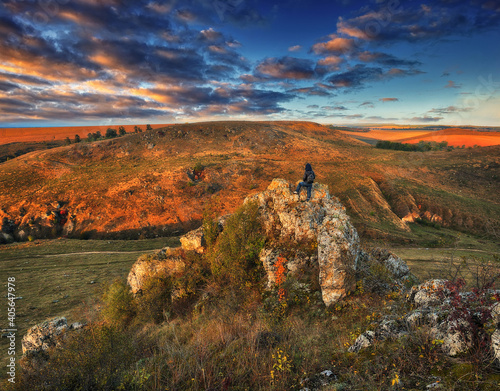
(345, 62)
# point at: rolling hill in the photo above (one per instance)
(157, 183)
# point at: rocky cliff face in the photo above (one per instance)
(322, 223)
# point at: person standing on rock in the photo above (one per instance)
(307, 181)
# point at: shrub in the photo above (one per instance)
(156, 299)
(235, 254)
(99, 357)
(210, 224)
(111, 133)
(119, 306)
(470, 312)
(121, 131)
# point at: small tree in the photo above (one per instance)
(121, 131)
(67, 141)
(137, 129)
(77, 138)
(90, 137)
(148, 127)
(111, 133)
(97, 135)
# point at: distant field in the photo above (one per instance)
(390, 135)
(14, 135)
(454, 136)
(457, 137)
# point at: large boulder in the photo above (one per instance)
(323, 221)
(44, 336)
(165, 262)
(193, 241)
(40, 339)
(431, 293)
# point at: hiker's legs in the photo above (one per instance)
(309, 188)
(299, 186)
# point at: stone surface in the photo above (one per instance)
(45, 335)
(428, 294)
(363, 341)
(495, 314)
(432, 300)
(395, 265)
(323, 221)
(166, 262)
(193, 241)
(300, 262)
(495, 344)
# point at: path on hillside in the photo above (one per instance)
(98, 252)
(444, 249)
(81, 253)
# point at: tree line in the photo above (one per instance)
(110, 133)
(421, 146)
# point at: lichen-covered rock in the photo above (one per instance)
(453, 334)
(322, 220)
(297, 263)
(193, 241)
(395, 265)
(45, 335)
(363, 341)
(495, 314)
(166, 262)
(495, 344)
(428, 294)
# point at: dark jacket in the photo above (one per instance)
(309, 175)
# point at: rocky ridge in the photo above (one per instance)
(315, 236)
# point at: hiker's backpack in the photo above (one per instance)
(310, 177)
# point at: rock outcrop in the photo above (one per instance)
(321, 222)
(434, 309)
(316, 239)
(42, 337)
(193, 241)
(165, 262)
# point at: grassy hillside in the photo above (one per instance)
(138, 186)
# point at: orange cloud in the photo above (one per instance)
(336, 44)
(331, 62)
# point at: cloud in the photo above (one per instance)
(378, 118)
(286, 68)
(451, 84)
(450, 110)
(426, 119)
(388, 99)
(336, 45)
(211, 35)
(294, 48)
(356, 77)
(334, 108)
(386, 59)
(330, 63)
(312, 91)
(367, 104)
(406, 22)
